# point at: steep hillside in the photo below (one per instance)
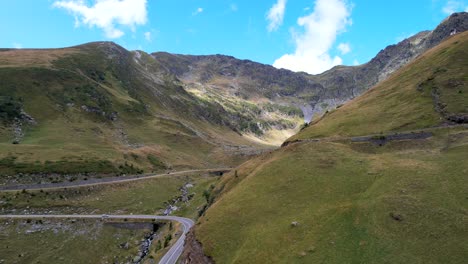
(234, 83)
(340, 200)
(99, 108)
(431, 91)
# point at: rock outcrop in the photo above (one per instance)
(193, 251)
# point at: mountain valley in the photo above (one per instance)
(359, 164)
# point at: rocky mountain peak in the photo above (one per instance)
(456, 23)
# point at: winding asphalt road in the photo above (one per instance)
(110, 180)
(169, 258)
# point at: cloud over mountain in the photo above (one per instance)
(107, 14)
(320, 29)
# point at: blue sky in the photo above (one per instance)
(307, 35)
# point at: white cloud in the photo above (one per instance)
(107, 14)
(148, 36)
(344, 48)
(329, 18)
(17, 45)
(453, 6)
(275, 15)
(198, 11)
(356, 62)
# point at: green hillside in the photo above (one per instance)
(100, 109)
(358, 202)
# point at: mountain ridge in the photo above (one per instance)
(313, 94)
(250, 88)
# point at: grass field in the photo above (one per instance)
(67, 241)
(354, 202)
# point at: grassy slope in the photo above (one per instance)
(153, 116)
(60, 241)
(342, 194)
(397, 104)
(404, 202)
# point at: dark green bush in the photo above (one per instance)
(10, 109)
